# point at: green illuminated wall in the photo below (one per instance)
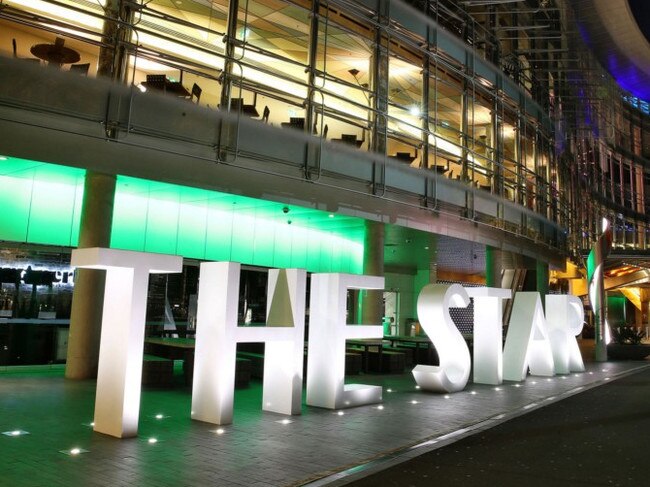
(42, 202)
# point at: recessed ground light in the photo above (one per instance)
(497, 388)
(284, 421)
(389, 390)
(331, 215)
(160, 416)
(414, 402)
(549, 379)
(151, 441)
(14, 433)
(220, 431)
(517, 385)
(534, 382)
(3, 158)
(340, 413)
(563, 377)
(447, 396)
(473, 393)
(417, 387)
(380, 407)
(73, 452)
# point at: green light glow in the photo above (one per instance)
(42, 204)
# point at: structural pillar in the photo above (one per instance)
(97, 210)
(229, 48)
(88, 297)
(372, 302)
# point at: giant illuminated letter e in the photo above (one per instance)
(327, 334)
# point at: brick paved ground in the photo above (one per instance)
(257, 450)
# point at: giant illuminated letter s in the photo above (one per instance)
(455, 363)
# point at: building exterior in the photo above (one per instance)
(423, 141)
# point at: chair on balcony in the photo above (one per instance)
(33, 60)
(81, 69)
(196, 93)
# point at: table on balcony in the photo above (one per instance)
(295, 123)
(350, 139)
(55, 54)
(404, 157)
(250, 110)
(160, 82)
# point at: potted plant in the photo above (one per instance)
(627, 344)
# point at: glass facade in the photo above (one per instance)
(502, 104)
(328, 68)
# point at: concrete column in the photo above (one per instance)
(88, 297)
(372, 307)
(97, 211)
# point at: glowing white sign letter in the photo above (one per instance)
(327, 334)
(217, 335)
(119, 376)
(565, 316)
(488, 333)
(455, 363)
(527, 344)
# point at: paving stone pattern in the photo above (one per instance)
(257, 449)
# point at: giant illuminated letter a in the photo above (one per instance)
(327, 334)
(455, 363)
(119, 376)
